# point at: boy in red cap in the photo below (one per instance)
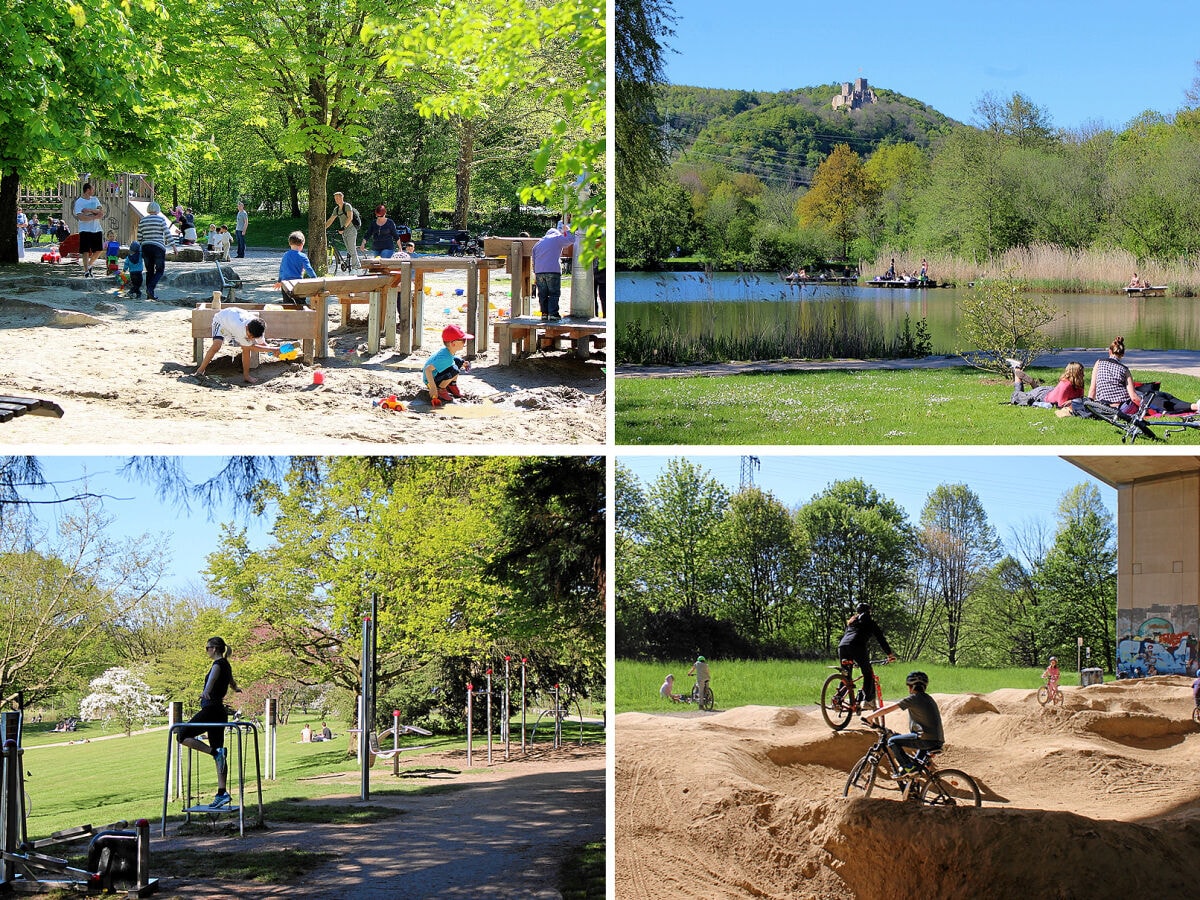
(441, 372)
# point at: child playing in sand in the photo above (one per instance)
(1051, 676)
(243, 327)
(441, 372)
(134, 267)
(294, 266)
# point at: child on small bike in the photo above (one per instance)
(924, 721)
(1051, 676)
(700, 670)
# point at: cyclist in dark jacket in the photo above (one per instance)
(860, 628)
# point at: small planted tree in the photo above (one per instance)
(119, 695)
(999, 321)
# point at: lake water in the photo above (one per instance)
(695, 305)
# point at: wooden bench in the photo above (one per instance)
(440, 239)
(288, 322)
(524, 335)
(11, 407)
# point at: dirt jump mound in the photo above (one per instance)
(1078, 801)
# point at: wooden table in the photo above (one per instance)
(346, 289)
(407, 276)
(517, 253)
(520, 336)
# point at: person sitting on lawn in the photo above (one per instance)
(667, 691)
(1069, 387)
(1113, 385)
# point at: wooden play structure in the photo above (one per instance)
(124, 200)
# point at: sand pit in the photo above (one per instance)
(122, 371)
(1096, 799)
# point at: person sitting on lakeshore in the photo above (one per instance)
(1069, 387)
(1135, 282)
(1113, 385)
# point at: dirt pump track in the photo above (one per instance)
(1089, 800)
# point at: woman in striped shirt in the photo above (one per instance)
(153, 232)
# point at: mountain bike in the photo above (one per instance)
(339, 260)
(840, 698)
(926, 784)
(1050, 693)
(706, 703)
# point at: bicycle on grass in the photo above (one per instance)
(706, 703)
(1051, 694)
(927, 784)
(840, 697)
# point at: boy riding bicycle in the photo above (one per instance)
(924, 721)
(860, 627)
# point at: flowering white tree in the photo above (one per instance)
(119, 694)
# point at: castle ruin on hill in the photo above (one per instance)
(854, 95)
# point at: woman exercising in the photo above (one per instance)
(212, 711)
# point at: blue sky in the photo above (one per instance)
(1083, 62)
(1015, 489)
(192, 535)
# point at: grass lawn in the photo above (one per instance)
(912, 406)
(787, 683)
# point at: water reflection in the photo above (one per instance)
(727, 304)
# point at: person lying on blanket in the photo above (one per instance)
(1069, 387)
(1114, 386)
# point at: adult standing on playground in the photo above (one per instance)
(154, 231)
(22, 226)
(382, 233)
(860, 628)
(241, 226)
(547, 271)
(344, 213)
(212, 712)
(88, 212)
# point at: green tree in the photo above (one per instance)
(642, 30)
(1017, 120)
(1078, 578)
(899, 172)
(652, 223)
(858, 546)
(761, 594)
(679, 556)
(999, 320)
(957, 548)
(841, 190)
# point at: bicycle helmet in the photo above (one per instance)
(917, 678)
(863, 608)
(699, 659)
(1054, 659)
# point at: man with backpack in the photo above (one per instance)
(349, 221)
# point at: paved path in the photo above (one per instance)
(1181, 362)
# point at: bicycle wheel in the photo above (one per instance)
(1058, 697)
(709, 700)
(950, 787)
(1196, 715)
(861, 779)
(1043, 695)
(837, 696)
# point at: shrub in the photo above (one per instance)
(999, 320)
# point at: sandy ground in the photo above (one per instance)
(1096, 799)
(502, 833)
(122, 371)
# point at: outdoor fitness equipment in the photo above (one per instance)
(505, 719)
(118, 859)
(241, 733)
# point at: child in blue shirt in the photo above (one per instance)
(294, 266)
(134, 267)
(112, 254)
(441, 372)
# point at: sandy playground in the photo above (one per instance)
(1096, 799)
(122, 371)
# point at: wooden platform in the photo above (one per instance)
(1157, 290)
(903, 284)
(290, 322)
(11, 407)
(525, 334)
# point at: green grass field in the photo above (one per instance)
(914, 406)
(786, 683)
(102, 781)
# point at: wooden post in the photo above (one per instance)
(517, 264)
(404, 343)
(373, 320)
(216, 300)
(419, 311)
(480, 338)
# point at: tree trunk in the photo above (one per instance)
(319, 165)
(10, 182)
(294, 190)
(423, 210)
(462, 175)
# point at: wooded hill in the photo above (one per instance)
(774, 134)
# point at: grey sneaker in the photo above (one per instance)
(222, 760)
(1013, 363)
(221, 800)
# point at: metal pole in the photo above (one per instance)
(174, 772)
(1079, 658)
(506, 721)
(270, 721)
(557, 718)
(364, 740)
(469, 704)
(522, 704)
(489, 715)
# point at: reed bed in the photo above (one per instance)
(1049, 267)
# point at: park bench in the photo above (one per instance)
(523, 335)
(441, 240)
(11, 407)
